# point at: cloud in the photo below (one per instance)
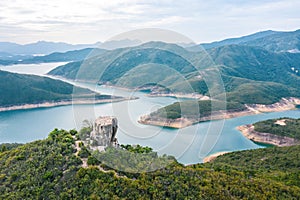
(199, 19)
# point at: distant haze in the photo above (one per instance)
(87, 22)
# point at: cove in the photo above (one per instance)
(189, 145)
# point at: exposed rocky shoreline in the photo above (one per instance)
(283, 105)
(184, 122)
(267, 138)
(180, 95)
(63, 103)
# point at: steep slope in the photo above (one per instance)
(19, 89)
(254, 75)
(50, 169)
(120, 66)
(246, 71)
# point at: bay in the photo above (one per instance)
(189, 145)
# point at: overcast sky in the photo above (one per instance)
(89, 21)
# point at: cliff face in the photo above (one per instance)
(104, 131)
(268, 138)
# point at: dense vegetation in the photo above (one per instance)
(196, 109)
(49, 169)
(250, 74)
(18, 89)
(8, 146)
(280, 164)
(291, 129)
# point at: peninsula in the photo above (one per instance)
(20, 91)
(171, 116)
(278, 132)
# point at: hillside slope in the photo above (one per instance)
(19, 89)
(49, 169)
(242, 69)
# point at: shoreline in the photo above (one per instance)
(62, 103)
(214, 156)
(179, 95)
(185, 122)
(283, 105)
(266, 138)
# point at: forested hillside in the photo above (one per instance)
(249, 74)
(19, 89)
(284, 127)
(49, 169)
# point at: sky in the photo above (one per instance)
(90, 21)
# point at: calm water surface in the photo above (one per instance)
(188, 145)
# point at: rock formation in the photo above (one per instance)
(104, 131)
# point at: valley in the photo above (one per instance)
(158, 92)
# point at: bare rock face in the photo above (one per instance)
(104, 131)
(268, 138)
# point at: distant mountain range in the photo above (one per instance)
(68, 56)
(14, 51)
(41, 47)
(270, 40)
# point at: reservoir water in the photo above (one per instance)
(188, 145)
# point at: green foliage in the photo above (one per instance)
(250, 74)
(291, 129)
(135, 159)
(8, 146)
(37, 169)
(93, 161)
(49, 169)
(85, 132)
(84, 152)
(137, 148)
(19, 89)
(195, 109)
(280, 164)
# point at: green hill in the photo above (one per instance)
(19, 89)
(250, 74)
(195, 109)
(291, 127)
(49, 169)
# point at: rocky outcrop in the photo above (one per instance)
(104, 131)
(267, 138)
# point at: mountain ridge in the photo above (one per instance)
(276, 41)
